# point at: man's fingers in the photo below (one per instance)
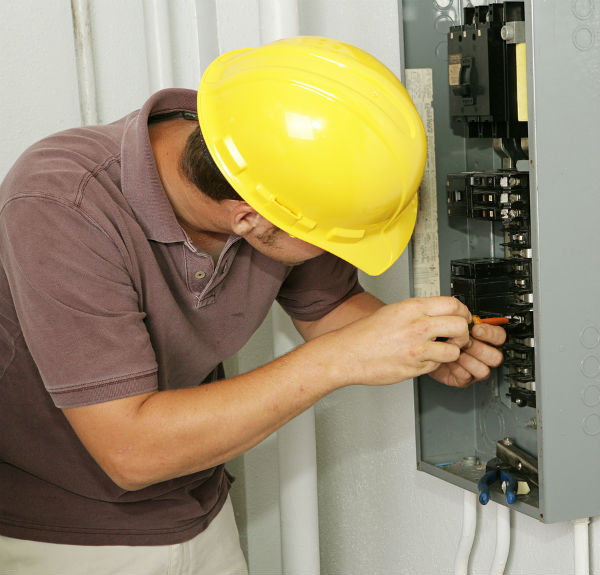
(452, 329)
(476, 368)
(485, 353)
(441, 352)
(459, 376)
(453, 374)
(492, 334)
(444, 305)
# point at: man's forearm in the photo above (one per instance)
(226, 418)
(354, 308)
(154, 437)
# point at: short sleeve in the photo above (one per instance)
(318, 286)
(73, 293)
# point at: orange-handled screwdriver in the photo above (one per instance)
(490, 320)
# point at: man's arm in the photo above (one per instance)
(157, 436)
(355, 307)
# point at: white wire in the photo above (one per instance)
(461, 562)
(581, 536)
(502, 540)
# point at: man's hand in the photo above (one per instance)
(423, 335)
(400, 341)
(475, 359)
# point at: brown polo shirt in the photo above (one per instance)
(103, 296)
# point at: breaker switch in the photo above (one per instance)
(501, 196)
(482, 72)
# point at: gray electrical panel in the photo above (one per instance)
(516, 96)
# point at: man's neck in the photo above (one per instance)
(210, 242)
(200, 217)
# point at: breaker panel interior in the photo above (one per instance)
(514, 172)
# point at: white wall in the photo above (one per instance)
(378, 514)
(37, 94)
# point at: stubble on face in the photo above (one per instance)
(269, 237)
(290, 251)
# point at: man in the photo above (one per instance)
(137, 256)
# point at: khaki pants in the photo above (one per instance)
(216, 550)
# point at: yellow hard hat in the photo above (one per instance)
(322, 140)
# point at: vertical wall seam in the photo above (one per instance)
(84, 57)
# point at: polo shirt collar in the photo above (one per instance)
(140, 181)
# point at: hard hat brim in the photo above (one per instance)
(375, 253)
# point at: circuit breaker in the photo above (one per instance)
(516, 114)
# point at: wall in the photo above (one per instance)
(377, 513)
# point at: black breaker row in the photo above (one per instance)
(500, 287)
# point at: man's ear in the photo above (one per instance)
(243, 218)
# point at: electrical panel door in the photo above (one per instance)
(516, 103)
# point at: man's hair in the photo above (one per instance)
(199, 168)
